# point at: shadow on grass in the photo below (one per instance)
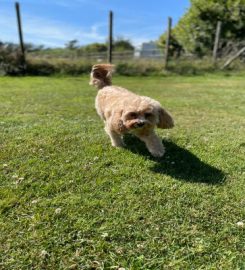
(178, 163)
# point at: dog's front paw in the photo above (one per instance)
(158, 153)
(118, 144)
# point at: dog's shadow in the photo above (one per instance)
(178, 163)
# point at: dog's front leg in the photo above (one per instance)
(116, 139)
(153, 144)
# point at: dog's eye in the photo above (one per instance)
(132, 115)
(147, 115)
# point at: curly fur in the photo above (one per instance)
(125, 112)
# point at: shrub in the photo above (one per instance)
(11, 61)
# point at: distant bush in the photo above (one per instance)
(62, 67)
(53, 66)
(139, 68)
(38, 68)
(73, 67)
(10, 60)
(78, 67)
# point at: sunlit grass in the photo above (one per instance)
(68, 200)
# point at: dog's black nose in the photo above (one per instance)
(141, 124)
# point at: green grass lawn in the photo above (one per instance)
(68, 200)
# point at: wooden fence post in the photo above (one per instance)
(110, 37)
(216, 41)
(166, 56)
(229, 61)
(22, 47)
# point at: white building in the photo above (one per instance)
(149, 50)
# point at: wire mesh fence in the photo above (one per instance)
(136, 54)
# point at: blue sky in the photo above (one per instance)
(54, 22)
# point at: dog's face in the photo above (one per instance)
(139, 119)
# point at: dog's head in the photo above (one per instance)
(139, 119)
(145, 118)
(100, 75)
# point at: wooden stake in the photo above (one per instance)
(229, 61)
(110, 37)
(216, 42)
(22, 47)
(166, 56)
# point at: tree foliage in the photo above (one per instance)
(195, 31)
(10, 59)
(72, 44)
(119, 45)
(122, 44)
(93, 48)
(175, 48)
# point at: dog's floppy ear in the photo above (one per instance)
(165, 119)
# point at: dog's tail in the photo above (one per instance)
(101, 75)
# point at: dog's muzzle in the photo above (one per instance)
(139, 124)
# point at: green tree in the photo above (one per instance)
(72, 44)
(175, 48)
(195, 31)
(121, 45)
(94, 47)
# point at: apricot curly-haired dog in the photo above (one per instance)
(125, 112)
